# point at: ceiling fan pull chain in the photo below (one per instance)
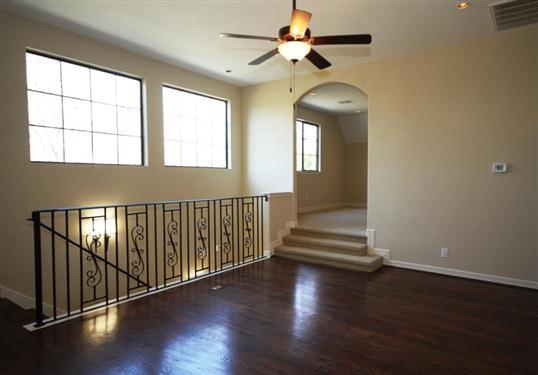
(293, 78)
(291, 83)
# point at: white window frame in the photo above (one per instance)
(227, 127)
(300, 169)
(92, 132)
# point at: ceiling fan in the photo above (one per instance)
(295, 41)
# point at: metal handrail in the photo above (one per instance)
(153, 246)
(265, 196)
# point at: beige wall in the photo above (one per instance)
(356, 173)
(438, 119)
(26, 186)
(327, 186)
(280, 213)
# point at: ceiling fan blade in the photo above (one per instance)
(244, 36)
(299, 23)
(264, 57)
(342, 39)
(319, 61)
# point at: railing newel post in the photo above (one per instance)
(36, 218)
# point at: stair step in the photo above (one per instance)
(348, 247)
(365, 263)
(334, 235)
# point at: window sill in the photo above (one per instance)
(194, 167)
(309, 172)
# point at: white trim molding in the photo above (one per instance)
(279, 194)
(281, 234)
(385, 253)
(320, 207)
(464, 274)
(26, 302)
(329, 206)
(370, 235)
(354, 205)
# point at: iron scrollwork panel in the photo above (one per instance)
(248, 230)
(172, 258)
(94, 276)
(201, 240)
(172, 224)
(136, 250)
(226, 235)
(137, 236)
(94, 242)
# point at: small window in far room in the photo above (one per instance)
(307, 147)
(82, 114)
(195, 129)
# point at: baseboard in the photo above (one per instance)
(464, 274)
(370, 235)
(281, 233)
(26, 302)
(319, 207)
(354, 205)
(329, 206)
(385, 253)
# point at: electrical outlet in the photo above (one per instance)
(444, 252)
(306, 197)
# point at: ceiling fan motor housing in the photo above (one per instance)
(285, 36)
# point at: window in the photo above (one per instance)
(195, 129)
(307, 146)
(81, 114)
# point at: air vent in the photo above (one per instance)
(345, 101)
(514, 13)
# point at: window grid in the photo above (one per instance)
(91, 103)
(195, 143)
(300, 130)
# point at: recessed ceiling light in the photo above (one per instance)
(463, 5)
(313, 94)
(358, 111)
(228, 70)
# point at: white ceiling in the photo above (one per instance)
(184, 32)
(328, 98)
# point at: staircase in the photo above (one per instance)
(329, 248)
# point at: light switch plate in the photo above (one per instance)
(499, 168)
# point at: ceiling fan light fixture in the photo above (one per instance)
(294, 50)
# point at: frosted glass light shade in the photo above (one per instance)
(294, 51)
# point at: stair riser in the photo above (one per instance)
(360, 252)
(332, 236)
(348, 266)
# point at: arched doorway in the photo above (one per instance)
(331, 158)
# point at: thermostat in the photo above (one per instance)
(499, 168)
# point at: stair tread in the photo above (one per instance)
(325, 232)
(364, 260)
(326, 242)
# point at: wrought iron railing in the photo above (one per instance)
(90, 257)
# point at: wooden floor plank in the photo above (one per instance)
(283, 317)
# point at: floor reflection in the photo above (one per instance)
(305, 304)
(100, 327)
(204, 349)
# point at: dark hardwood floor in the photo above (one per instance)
(282, 317)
